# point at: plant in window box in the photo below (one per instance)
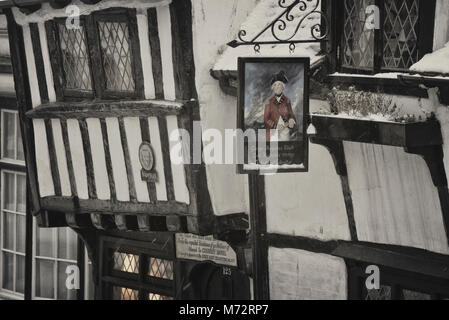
(368, 117)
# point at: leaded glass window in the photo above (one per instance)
(134, 272)
(358, 45)
(97, 59)
(394, 46)
(116, 56)
(400, 34)
(75, 58)
(160, 268)
(126, 262)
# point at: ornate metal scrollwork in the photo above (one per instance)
(318, 31)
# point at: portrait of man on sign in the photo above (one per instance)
(278, 112)
(274, 110)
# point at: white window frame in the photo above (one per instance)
(54, 259)
(2, 133)
(4, 292)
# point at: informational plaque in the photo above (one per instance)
(193, 247)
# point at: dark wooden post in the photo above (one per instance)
(258, 236)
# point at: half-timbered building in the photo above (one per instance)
(105, 89)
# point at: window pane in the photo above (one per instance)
(8, 271)
(8, 139)
(154, 296)
(414, 295)
(358, 41)
(8, 231)
(44, 279)
(63, 292)
(160, 268)
(20, 153)
(67, 244)
(75, 58)
(20, 274)
(384, 293)
(116, 54)
(126, 262)
(8, 191)
(21, 193)
(45, 244)
(400, 33)
(20, 233)
(120, 293)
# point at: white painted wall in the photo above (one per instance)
(394, 198)
(301, 275)
(308, 204)
(215, 22)
(441, 24)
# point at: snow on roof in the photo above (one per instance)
(436, 62)
(263, 14)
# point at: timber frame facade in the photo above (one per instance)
(86, 104)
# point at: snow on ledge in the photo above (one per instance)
(265, 12)
(435, 62)
(271, 168)
(48, 13)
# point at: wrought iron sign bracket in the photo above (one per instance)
(319, 32)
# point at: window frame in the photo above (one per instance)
(55, 259)
(141, 282)
(426, 17)
(93, 43)
(58, 69)
(397, 279)
(5, 292)
(3, 160)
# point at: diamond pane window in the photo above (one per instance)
(400, 33)
(358, 42)
(75, 58)
(396, 45)
(126, 262)
(120, 293)
(116, 56)
(160, 268)
(384, 293)
(155, 296)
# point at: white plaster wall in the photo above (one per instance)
(301, 275)
(215, 22)
(394, 198)
(308, 204)
(441, 24)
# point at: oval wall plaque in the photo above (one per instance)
(146, 156)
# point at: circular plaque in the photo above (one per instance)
(146, 156)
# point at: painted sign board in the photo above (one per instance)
(193, 247)
(273, 114)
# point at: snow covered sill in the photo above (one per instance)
(341, 128)
(273, 169)
(389, 83)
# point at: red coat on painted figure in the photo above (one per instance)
(275, 109)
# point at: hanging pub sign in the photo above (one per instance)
(272, 115)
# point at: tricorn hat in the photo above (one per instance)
(279, 77)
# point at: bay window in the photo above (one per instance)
(98, 59)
